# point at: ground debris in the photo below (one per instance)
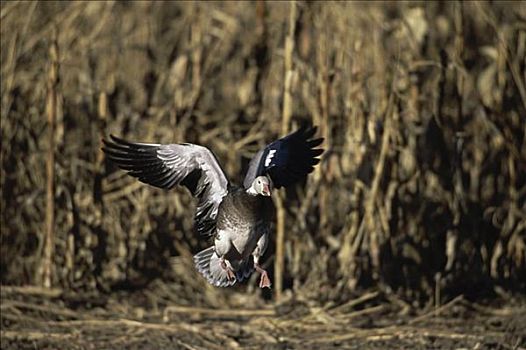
(45, 320)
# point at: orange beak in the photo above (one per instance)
(266, 191)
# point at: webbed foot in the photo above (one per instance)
(264, 281)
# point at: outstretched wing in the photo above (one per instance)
(286, 160)
(165, 166)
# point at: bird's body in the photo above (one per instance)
(242, 219)
(237, 218)
(242, 230)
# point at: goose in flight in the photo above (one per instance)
(237, 217)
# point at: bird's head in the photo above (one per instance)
(261, 186)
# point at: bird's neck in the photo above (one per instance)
(251, 191)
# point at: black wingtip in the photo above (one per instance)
(310, 132)
(110, 145)
(111, 141)
(305, 131)
(118, 140)
(316, 152)
(315, 142)
(106, 145)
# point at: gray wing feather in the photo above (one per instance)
(165, 166)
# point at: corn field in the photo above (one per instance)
(420, 194)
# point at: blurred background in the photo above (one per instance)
(421, 189)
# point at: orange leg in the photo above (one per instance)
(231, 275)
(265, 280)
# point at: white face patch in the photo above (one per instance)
(252, 190)
(269, 157)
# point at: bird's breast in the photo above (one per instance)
(241, 221)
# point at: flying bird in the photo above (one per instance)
(237, 217)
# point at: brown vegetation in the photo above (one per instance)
(421, 192)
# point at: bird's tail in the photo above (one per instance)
(208, 264)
